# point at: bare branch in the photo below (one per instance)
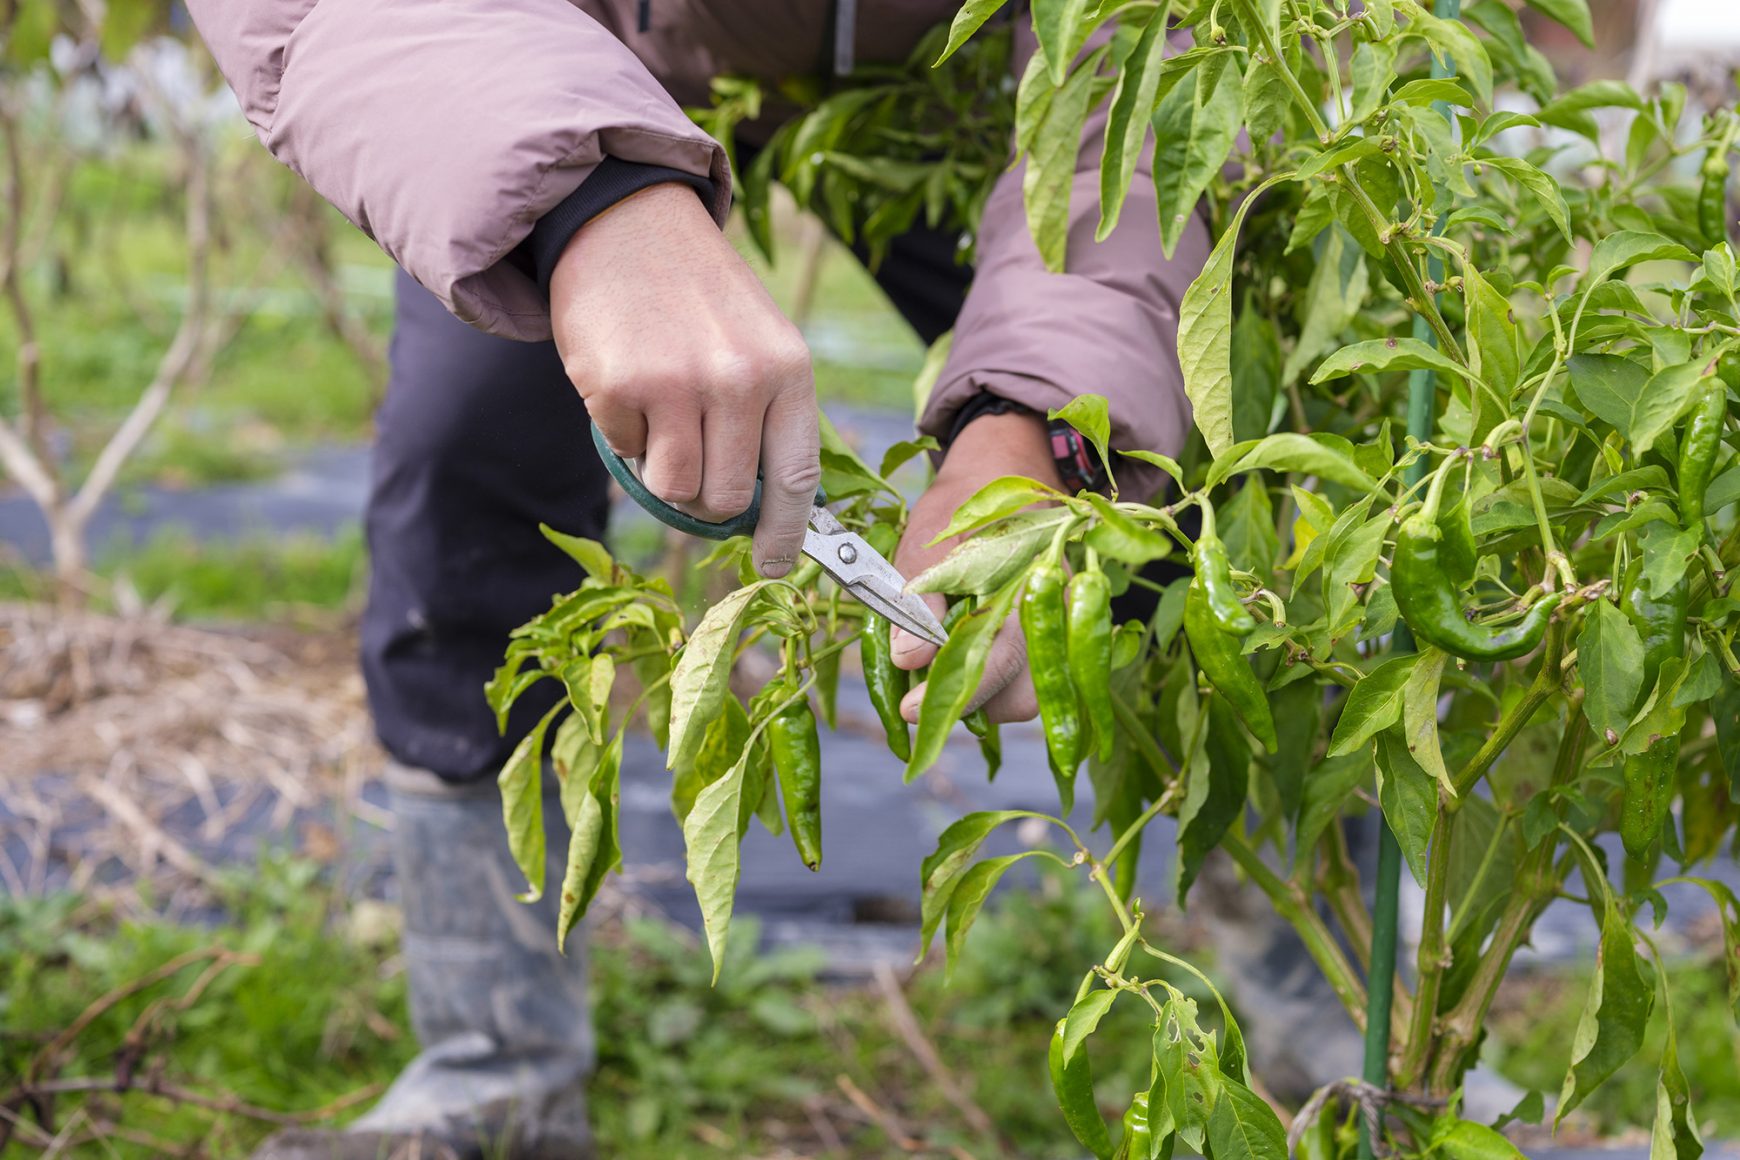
(24, 451)
(183, 348)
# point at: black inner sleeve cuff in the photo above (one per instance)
(608, 184)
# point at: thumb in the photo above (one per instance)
(791, 466)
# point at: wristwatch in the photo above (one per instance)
(1077, 462)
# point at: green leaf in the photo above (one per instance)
(1615, 1012)
(1625, 248)
(954, 677)
(1409, 797)
(1205, 339)
(1193, 134)
(1543, 188)
(1002, 497)
(1374, 705)
(1127, 122)
(1216, 778)
(1256, 372)
(1420, 717)
(1378, 355)
(522, 805)
(711, 834)
(1573, 14)
(1091, 415)
(1051, 162)
(1337, 290)
(589, 554)
(1187, 1076)
(1374, 67)
(1325, 793)
(592, 845)
(1610, 661)
(1121, 537)
(1675, 1136)
(1062, 28)
(1243, 1126)
(983, 563)
(1458, 48)
(940, 872)
(1728, 907)
(700, 680)
(968, 898)
(1268, 100)
(968, 20)
(1609, 385)
(1084, 1018)
(1289, 451)
(1154, 459)
(1493, 351)
(1670, 393)
(1467, 1140)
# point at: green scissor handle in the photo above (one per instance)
(741, 524)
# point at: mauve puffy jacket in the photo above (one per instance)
(445, 128)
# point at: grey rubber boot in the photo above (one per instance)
(501, 1016)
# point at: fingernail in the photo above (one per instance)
(775, 568)
(909, 705)
(901, 641)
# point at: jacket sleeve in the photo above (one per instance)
(446, 131)
(1108, 324)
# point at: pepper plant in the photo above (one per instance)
(1454, 540)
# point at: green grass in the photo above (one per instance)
(685, 1067)
(260, 578)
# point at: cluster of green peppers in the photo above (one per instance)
(1216, 623)
(1427, 600)
(1068, 626)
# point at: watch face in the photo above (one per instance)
(1077, 462)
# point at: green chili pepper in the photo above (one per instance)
(1713, 197)
(1043, 622)
(1649, 776)
(1138, 1141)
(1089, 647)
(797, 758)
(1214, 572)
(1427, 600)
(1220, 657)
(1698, 452)
(1074, 1085)
(887, 684)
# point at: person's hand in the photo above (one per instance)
(686, 363)
(990, 446)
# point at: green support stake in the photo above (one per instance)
(1380, 993)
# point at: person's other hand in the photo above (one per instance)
(989, 447)
(686, 364)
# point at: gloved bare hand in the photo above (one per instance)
(686, 363)
(989, 447)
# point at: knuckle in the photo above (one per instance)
(726, 500)
(800, 475)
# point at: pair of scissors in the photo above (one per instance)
(843, 554)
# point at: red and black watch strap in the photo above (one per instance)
(1077, 461)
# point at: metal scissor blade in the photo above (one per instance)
(862, 571)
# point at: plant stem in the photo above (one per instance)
(1536, 884)
(1545, 683)
(1432, 958)
(1339, 882)
(1292, 904)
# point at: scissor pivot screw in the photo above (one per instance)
(848, 554)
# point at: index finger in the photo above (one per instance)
(791, 467)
